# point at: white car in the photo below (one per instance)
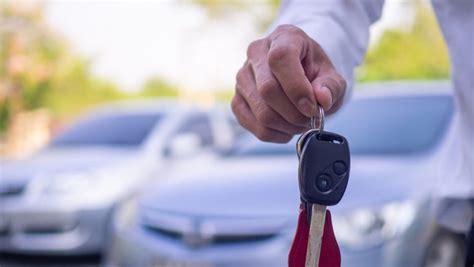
(59, 201)
(240, 209)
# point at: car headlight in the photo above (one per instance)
(89, 186)
(69, 183)
(72, 184)
(365, 228)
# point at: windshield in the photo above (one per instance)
(251, 146)
(112, 129)
(382, 125)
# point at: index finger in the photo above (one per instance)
(284, 58)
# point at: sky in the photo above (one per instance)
(129, 42)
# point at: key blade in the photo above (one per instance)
(316, 230)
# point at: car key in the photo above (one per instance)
(324, 163)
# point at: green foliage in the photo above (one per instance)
(418, 54)
(74, 89)
(4, 115)
(157, 87)
(37, 69)
(47, 74)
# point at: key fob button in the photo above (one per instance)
(323, 183)
(339, 167)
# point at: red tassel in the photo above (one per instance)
(330, 255)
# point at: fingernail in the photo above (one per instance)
(307, 107)
(324, 88)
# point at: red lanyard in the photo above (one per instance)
(330, 255)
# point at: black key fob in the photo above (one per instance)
(323, 168)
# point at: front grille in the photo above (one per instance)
(49, 229)
(43, 230)
(231, 239)
(218, 239)
(163, 232)
(9, 190)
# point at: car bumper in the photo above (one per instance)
(47, 229)
(137, 246)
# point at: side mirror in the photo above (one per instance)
(183, 145)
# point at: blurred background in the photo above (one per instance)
(191, 50)
(147, 70)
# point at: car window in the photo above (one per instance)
(200, 125)
(382, 125)
(111, 129)
(393, 125)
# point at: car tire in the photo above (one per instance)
(445, 249)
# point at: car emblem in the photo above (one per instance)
(197, 238)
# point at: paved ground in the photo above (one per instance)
(11, 260)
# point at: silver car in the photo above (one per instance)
(240, 209)
(59, 201)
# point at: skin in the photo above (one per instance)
(286, 75)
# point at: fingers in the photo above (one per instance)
(329, 90)
(249, 121)
(285, 76)
(263, 113)
(270, 90)
(284, 58)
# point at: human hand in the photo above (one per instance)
(284, 78)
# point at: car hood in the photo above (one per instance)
(61, 160)
(267, 186)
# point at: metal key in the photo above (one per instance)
(324, 163)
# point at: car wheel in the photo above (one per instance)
(446, 249)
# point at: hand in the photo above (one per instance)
(284, 78)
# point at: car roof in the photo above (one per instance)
(361, 90)
(157, 105)
(402, 88)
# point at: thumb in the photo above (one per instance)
(329, 90)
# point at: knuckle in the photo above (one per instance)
(287, 28)
(297, 32)
(254, 46)
(267, 88)
(235, 105)
(237, 109)
(240, 74)
(278, 54)
(283, 27)
(266, 117)
(239, 79)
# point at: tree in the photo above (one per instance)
(420, 53)
(37, 68)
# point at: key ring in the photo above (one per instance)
(319, 130)
(321, 120)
